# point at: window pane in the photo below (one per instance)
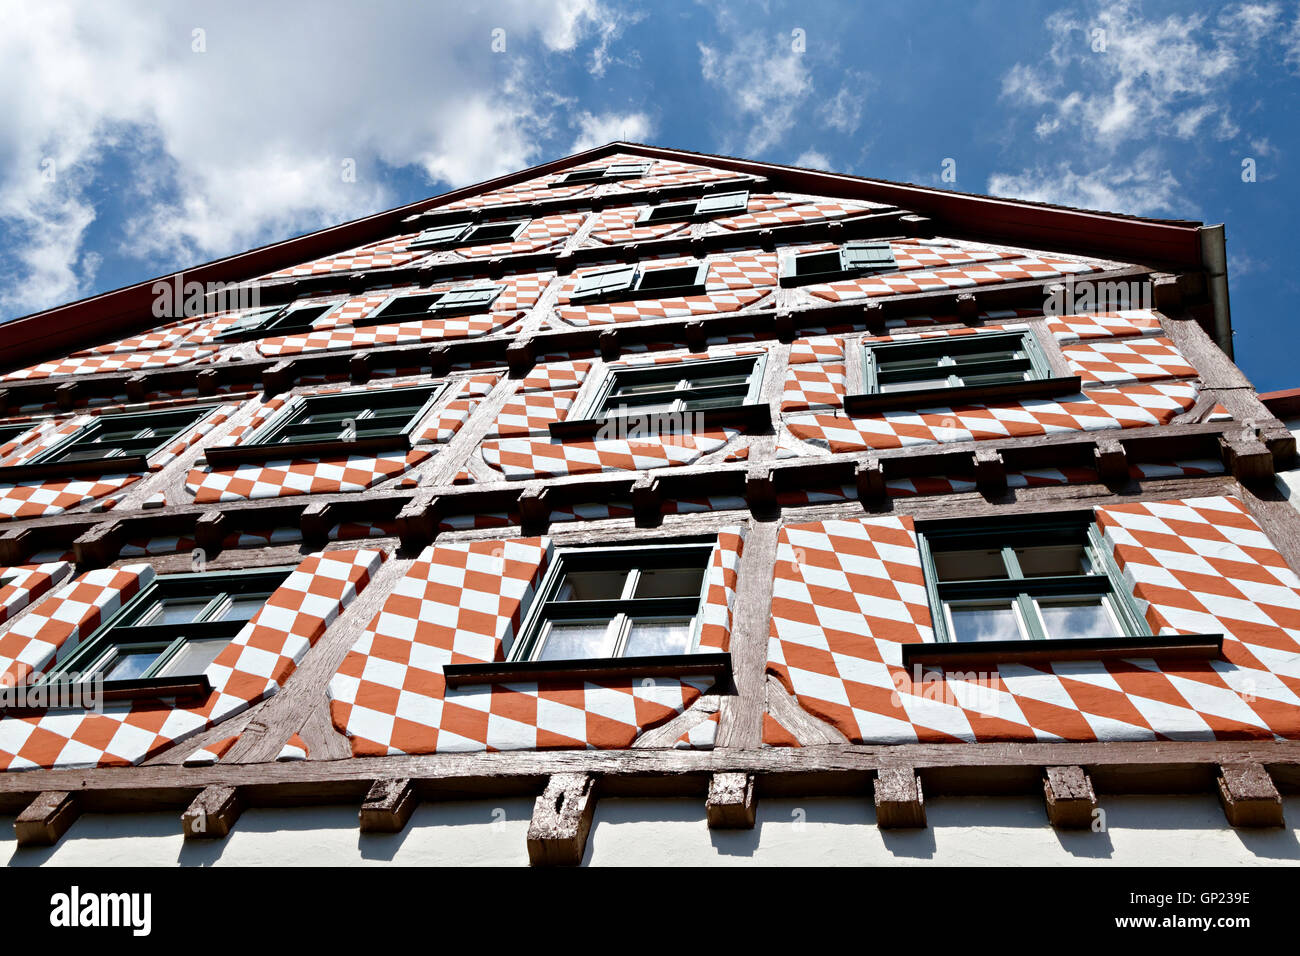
(1054, 559)
(715, 381)
(994, 378)
(680, 210)
(569, 640)
(130, 664)
(914, 385)
(670, 582)
(644, 388)
(986, 621)
(90, 452)
(969, 565)
(668, 278)
(639, 408)
(193, 657)
(176, 610)
(492, 231)
(648, 638)
(1077, 617)
(813, 263)
(591, 586)
(242, 607)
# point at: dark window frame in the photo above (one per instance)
(53, 462)
(124, 632)
(1036, 379)
(619, 612)
(1007, 533)
(295, 318)
(633, 286)
(846, 262)
(466, 236)
(603, 174)
(748, 409)
(649, 215)
(435, 308)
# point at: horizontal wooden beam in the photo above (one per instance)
(963, 768)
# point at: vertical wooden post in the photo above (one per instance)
(730, 804)
(899, 800)
(1070, 798)
(47, 818)
(557, 834)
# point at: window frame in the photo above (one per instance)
(49, 463)
(1078, 527)
(260, 446)
(122, 630)
(269, 325)
(788, 261)
(465, 237)
(433, 311)
(646, 216)
(534, 629)
(636, 170)
(1041, 380)
(634, 288)
(591, 413)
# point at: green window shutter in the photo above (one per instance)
(626, 170)
(723, 204)
(861, 256)
(439, 235)
(603, 282)
(466, 300)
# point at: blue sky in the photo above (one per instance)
(136, 139)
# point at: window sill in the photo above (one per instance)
(636, 295)
(449, 313)
(256, 454)
(752, 417)
(714, 665)
(1161, 647)
(147, 688)
(73, 469)
(961, 395)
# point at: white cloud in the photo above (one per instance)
(608, 127)
(843, 111)
(212, 152)
(1115, 77)
(765, 80)
(1142, 188)
(811, 159)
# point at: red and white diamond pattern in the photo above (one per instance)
(385, 254)
(733, 283)
(21, 585)
(421, 330)
(771, 210)
(112, 362)
(33, 499)
(463, 603)
(978, 273)
(555, 375)
(520, 458)
(538, 234)
(53, 630)
(254, 665)
(849, 594)
(1104, 325)
(618, 226)
(720, 597)
(1131, 360)
(814, 385)
(1126, 407)
(531, 412)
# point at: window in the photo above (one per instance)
(680, 387)
(598, 174)
(616, 603)
(457, 234)
(624, 282)
(174, 628)
(434, 305)
(375, 416)
(278, 320)
(723, 204)
(850, 259)
(954, 361)
(1038, 578)
(129, 435)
